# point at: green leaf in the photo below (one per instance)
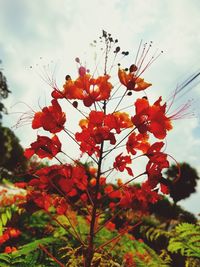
(1, 228)
(4, 218)
(8, 213)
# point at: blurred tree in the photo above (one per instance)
(12, 160)
(4, 91)
(165, 211)
(185, 184)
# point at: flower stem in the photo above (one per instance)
(90, 250)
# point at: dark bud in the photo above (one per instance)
(77, 60)
(75, 104)
(126, 53)
(116, 40)
(126, 69)
(133, 68)
(117, 49)
(118, 64)
(123, 53)
(67, 77)
(145, 97)
(129, 93)
(104, 34)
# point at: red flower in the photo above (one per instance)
(126, 199)
(137, 142)
(43, 200)
(13, 232)
(51, 118)
(159, 123)
(44, 147)
(121, 162)
(138, 198)
(118, 121)
(9, 249)
(86, 88)
(164, 189)
(110, 226)
(157, 162)
(95, 130)
(152, 118)
(131, 81)
(61, 205)
(129, 260)
(61, 178)
(9, 233)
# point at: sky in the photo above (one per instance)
(39, 33)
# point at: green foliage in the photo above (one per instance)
(30, 255)
(6, 214)
(192, 262)
(154, 233)
(74, 257)
(183, 240)
(142, 253)
(186, 240)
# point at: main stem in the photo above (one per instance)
(90, 249)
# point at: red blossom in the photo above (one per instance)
(131, 81)
(152, 118)
(9, 249)
(164, 189)
(85, 88)
(129, 260)
(51, 118)
(137, 142)
(109, 190)
(138, 198)
(10, 232)
(44, 147)
(42, 199)
(118, 121)
(60, 178)
(61, 205)
(110, 226)
(157, 162)
(121, 163)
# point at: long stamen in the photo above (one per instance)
(182, 112)
(138, 51)
(144, 57)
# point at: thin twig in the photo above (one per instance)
(50, 255)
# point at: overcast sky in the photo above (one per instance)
(40, 32)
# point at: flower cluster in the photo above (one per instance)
(104, 128)
(9, 233)
(100, 127)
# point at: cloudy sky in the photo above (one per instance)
(41, 32)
